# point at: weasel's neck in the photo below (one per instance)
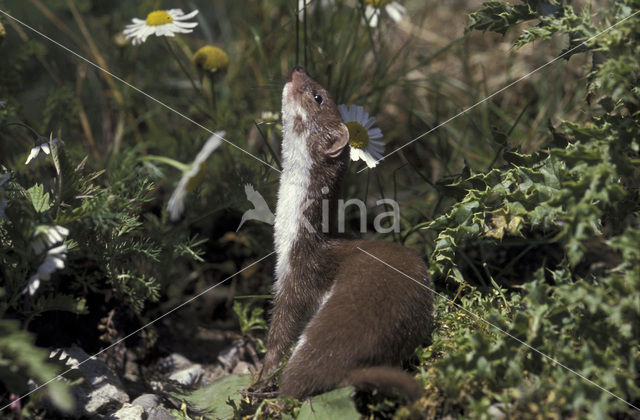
(306, 191)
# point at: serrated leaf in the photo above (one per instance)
(39, 199)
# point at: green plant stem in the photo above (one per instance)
(163, 159)
(27, 127)
(181, 64)
(265, 139)
(214, 105)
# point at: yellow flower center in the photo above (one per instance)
(378, 4)
(358, 136)
(3, 33)
(159, 17)
(210, 58)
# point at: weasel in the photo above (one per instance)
(353, 319)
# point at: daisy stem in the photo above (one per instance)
(370, 31)
(25, 126)
(265, 139)
(214, 106)
(181, 64)
(163, 159)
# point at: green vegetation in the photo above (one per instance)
(526, 206)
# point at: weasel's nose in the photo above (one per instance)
(296, 69)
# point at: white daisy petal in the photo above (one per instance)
(59, 250)
(375, 133)
(354, 154)
(140, 30)
(396, 11)
(187, 16)
(34, 152)
(342, 108)
(186, 25)
(34, 284)
(176, 201)
(365, 147)
(175, 206)
(371, 15)
(174, 13)
(369, 160)
(369, 123)
(377, 154)
(178, 30)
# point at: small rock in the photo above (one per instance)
(188, 376)
(101, 390)
(156, 386)
(160, 413)
(129, 412)
(147, 401)
(229, 357)
(174, 362)
(131, 368)
(497, 411)
(152, 405)
(242, 368)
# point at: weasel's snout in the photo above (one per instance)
(296, 69)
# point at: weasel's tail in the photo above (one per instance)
(385, 379)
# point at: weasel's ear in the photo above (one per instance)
(342, 140)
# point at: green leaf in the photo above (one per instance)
(336, 404)
(39, 198)
(61, 303)
(212, 399)
(20, 360)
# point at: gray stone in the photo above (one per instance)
(229, 357)
(174, 362)
(129, 412)
(152, 405)
(497, 411)
(160, 413)
(187, 376)
(242, 368)
(147, 401)
(101, 391)
(156, 386)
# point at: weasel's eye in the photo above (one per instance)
(317, 98)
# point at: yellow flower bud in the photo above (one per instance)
(3, 33)
(211, 59)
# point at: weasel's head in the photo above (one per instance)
(309, 115)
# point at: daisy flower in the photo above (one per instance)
(52, 262)
(394, 9)
(44, 147)
(161, 23)
(362, 135)
(46, 236)
(190, 176)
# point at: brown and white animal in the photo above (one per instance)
(354, 319)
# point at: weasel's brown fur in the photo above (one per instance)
(354, 319)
